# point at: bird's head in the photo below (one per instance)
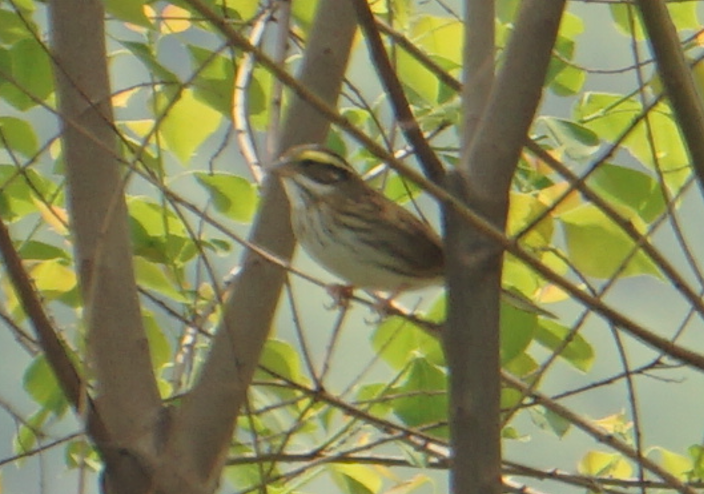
(313, 171)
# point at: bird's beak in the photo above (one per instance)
(283, 168)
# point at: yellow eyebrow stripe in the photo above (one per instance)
(322, 157)
(315, 155)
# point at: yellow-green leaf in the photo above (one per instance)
(187, 124)
(151, 275)
(18, 136)
(578, 351)
(356, 479)
(600, 464)
(676, 464)
(128, 10)
(159, 347)
(280, 357)
(231, 194)
(598, 247)
(53, 278)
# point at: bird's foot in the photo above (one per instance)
(341, 296)
(383, 305)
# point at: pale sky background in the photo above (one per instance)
(671, 412)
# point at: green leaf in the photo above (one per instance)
(685, 16)
(568, 81)
(577, 141)
(5, 66)
(512, 433)
(31, 70)
(558, 424)
(571, 25)
(128, 10)
(216, 79)
(152, 276)
(25, 6)
(356, 479)
(397, 340)
(355, 116)
(41, 384)
(630, 188)
(416, 457)
(609, 115)
(159, 347)
(601, 464)
(437, 37)
(187, 124)
(53, 278)
(564, 78)
(517, 277)
(578, 352)
(400, 9)
(373, 393)
(510, 397)
(157, 220)
(36, 250)
(416, 77)
(18, 191)
(81, 453)
(232, 195)
(247, 9)
(260, 98)
(549, 421)
(280, 357)
(598, 247)
(157, 233)
(145, 54)
(30, 431)
(400, 190)
(517, 330)
(696, 453)
(246, 477)
(18, 136)
(627, 21)
(12, 28)
(522, 365)
(524, 210)
(678, 465)
(304, 12)
(422, 395)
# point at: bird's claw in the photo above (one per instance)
(341, 296)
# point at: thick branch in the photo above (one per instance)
(204, 425)
(128, 399)
(491, 148)
(676, 76)
(478, 73)
(514, 98)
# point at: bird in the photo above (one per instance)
(353, 230)
(357, 233)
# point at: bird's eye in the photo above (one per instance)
(324, 173)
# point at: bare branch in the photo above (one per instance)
(409, 125)
(54, 349)
(608, 439)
